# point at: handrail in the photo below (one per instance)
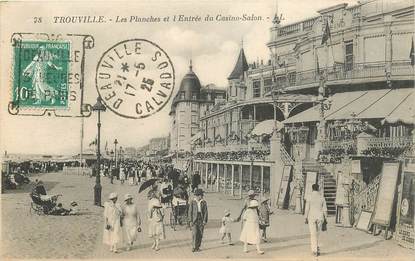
(365, 199)
(285, 157)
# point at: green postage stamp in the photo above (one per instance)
(40, 74)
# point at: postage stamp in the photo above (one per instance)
(135, 78)
(40, 74)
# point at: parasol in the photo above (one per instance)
(146, 184)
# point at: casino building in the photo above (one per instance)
(333, 103)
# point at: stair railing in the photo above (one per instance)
(365, 199)
(285, 157)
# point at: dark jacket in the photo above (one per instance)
(192, 212)
(196, 180)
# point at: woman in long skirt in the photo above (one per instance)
(112, 223)
(250, 233)
(131, 176)
(131, 221)
(155, 226)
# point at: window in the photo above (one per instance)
(256, 89)
(291, 78)
(195, 107)
(194, 95)
(349, 56)
(194, 119)
(182, 95)
(182, 131)
(267, 85)
(281, 81)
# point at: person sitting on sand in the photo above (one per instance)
(59, 210)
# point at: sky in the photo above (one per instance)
(212, 46)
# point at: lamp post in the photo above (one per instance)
(112, 155)
(115, 152)
(120, 154)
(98, 188)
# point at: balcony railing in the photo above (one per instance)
(335, 144)
(392, 147)
(233, 147)
(235, 152)
(390, 142)
(355, 71)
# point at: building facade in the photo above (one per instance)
(159, 145)
(191, 102)
(346, 72)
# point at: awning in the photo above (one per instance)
(375, 104)
(404, 112)
(266, 127)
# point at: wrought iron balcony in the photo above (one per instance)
(241, 152)
(375, 71)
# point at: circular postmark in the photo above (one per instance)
(135, 78)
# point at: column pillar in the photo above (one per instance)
(240, 181)
(232, 179)
(225, 174)
(217, 176)
(250, 175)
(276, 167)
(207, 175)
(262, 180)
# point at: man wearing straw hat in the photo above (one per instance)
(112, 222)
(198, 217)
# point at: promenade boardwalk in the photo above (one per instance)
(31, 236)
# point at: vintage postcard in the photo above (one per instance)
(185, 129)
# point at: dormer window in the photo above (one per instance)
(182, 95)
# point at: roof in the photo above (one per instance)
(374, 104)
(190, 86)
(240, 67)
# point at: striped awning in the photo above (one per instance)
(374, 104)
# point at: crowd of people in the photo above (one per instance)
(173, 187)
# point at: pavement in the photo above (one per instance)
(26, 235)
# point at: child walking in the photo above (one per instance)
(156, 226)
(264, 213)
(225, 229)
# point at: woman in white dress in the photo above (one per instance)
(155, 222)
(112, 223)
(131, 221)
(250, 233)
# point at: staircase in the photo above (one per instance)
(327, 183)
(314, 166)
(329, 190)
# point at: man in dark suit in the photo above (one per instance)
(195, 180)
(198, 217)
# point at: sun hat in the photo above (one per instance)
(73, 204)
(113, 195)
(199, 192)
(127, 197)
(253, 204)
(251, 193)
(227, 212)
